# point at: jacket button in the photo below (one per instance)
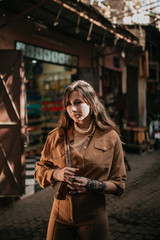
(84, 147)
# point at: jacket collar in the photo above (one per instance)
(70, 133)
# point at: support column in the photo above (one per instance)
(142, 105)
(124, 79)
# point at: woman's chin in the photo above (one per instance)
(77, 120)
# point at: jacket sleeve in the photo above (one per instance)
(118, 169)
(45, 167)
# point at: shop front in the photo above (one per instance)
(47, 74)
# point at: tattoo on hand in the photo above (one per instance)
(95, 186)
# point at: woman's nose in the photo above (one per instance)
(74, 108)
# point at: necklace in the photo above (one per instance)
(85, 132)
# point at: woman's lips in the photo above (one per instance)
(76, 115)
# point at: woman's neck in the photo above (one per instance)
(85, 130)
(85, 123)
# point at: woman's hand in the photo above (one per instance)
(82, 184)
(77, 184)
(63, 173)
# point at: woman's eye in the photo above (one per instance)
(68, 104)
(78, 102)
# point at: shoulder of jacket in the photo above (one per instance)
(52, 131)
(111, 133)
(58, 131)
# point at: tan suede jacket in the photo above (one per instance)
(101, 157)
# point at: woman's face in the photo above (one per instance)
(77, 108)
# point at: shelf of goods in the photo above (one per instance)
(44, 107)
(52, 92)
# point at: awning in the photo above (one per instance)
(71, 18)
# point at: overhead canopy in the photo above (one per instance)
(72, 18)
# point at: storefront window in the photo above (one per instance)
(45, 85)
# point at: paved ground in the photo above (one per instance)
(133, 216)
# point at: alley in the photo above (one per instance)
(133, 216)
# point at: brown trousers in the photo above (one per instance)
(81, 217)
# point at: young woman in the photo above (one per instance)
(96, 166)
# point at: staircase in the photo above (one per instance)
(31, 186)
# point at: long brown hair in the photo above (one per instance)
(99, 113)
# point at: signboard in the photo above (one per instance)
(47, 55)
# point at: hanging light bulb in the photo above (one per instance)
(115, 41)
(89, 32)
(58, 15)
(78, 22)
